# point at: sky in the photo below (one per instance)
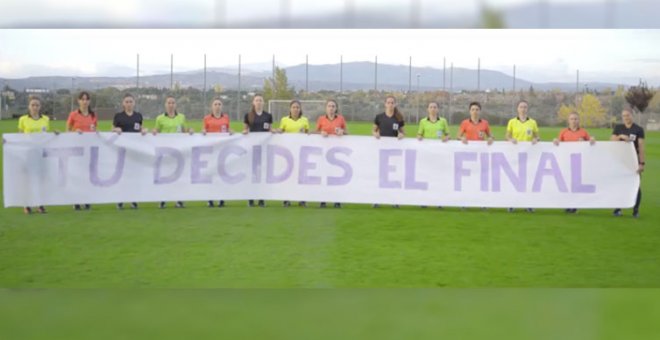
(204, 13)
(619, 56)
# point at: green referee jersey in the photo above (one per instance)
(167, 124)
(430, 129)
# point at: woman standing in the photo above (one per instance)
(632, 133)
(522, 128)
(433, 126)
(295, 122)
(573, 133)
(475, 128)
(257, 120)
(216, 122)
(130, 122)
(171, 121)
(389, 124)
(82, 120)
(331, 123)
(34, 122)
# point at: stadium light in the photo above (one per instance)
(238, 94)
(418, 99)
(376, 75)
(204, 96)
(341, 74)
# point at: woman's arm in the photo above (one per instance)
(642, 154)
(401, 133)
(376, 131)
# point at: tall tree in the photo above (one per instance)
(279, 87)
(654, 105)
(564, 111)
(591, 111)
(639, 96)
(617, 102)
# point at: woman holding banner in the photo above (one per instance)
(475, 128)
(522, 128)
(171, 121)
(128, 121)
(331, 123)
(82, 120)
(433, 126)
(294, 123)
(34, 122)
(389, 124)
(573, 133)
(631, 132)
(257, 120)
(216, 122)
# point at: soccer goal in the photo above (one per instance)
(312, 109)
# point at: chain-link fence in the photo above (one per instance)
(453, 89)
(106, 102)
(497, 107)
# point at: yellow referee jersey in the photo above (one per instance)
(27, 124)
(522, 131)
(299, 125)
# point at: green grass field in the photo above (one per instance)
(119, 254)
(544, 314)
(352, 247)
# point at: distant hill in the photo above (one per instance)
(356, 76)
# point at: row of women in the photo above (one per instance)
(390, 123)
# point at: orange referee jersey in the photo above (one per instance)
(214, 124)
(78, 121)
(330, 127)
(568, 135)
(472, 131)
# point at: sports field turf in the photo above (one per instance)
(355, 246)
(121, 252)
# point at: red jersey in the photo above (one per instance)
(330, 127)
(214, 124)
(78, 121)
(472, 131)
(568, 135)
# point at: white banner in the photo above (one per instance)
(45, 169)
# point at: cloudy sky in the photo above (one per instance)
(620, 56)
(205, 13)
